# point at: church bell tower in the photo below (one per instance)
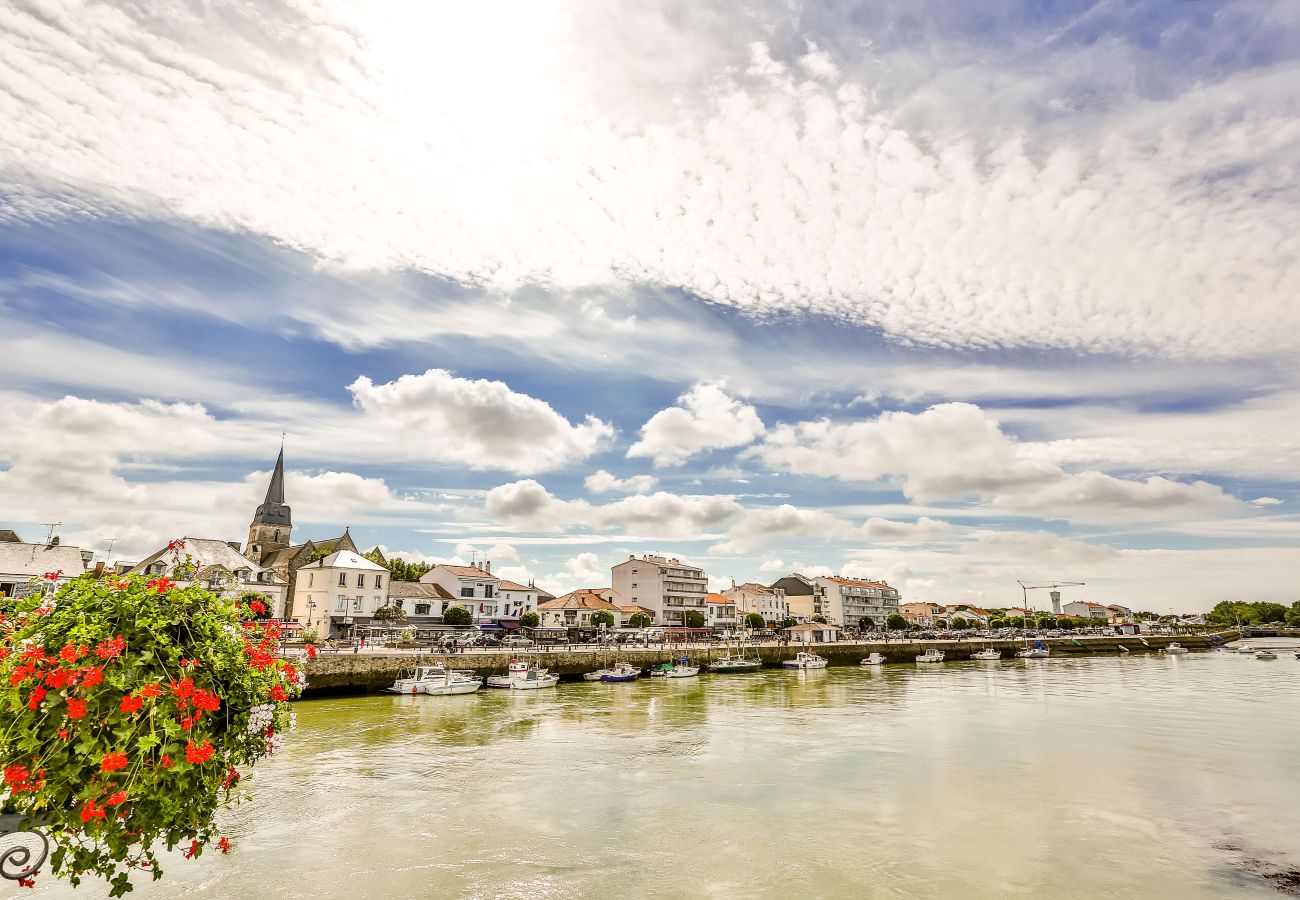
(271, 523)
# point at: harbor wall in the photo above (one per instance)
(347, 672)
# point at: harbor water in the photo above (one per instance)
(1142, 775)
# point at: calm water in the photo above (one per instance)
(1099, 777)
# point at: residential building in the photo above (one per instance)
(858, 603)
(1117, 613)
(576, 608)
(221, 569)
(20, 563)
(812, 633)
(1085, 609)
(972, 614)
(268, 537)
(338, 592)
(422, 603)
(516, 599)
(668, 586)
(804, 598)
(1017, 612)
(768, 602)
(922, 614)
(627, 610)
(473, 587)
(723, 614)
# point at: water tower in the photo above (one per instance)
(1056, 602)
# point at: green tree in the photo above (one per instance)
(694, 618)
(602, 617)
(866, 624)
(1067, 624)
(960, 624)
(754, 620)
(1047, 622)
(389, 614)
(1293, 614)
(640, 620)
(457, 615)
(819, 619)
(895, 622)
(1271, 612)
(530, 619)
(788, 623)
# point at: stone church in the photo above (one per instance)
(268, 536)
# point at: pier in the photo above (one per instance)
(348, 672)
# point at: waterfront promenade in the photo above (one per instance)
(373, 669)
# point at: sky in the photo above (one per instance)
(946, 294)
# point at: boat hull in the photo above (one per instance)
(683, 672)
(620, 678)
(456, 687)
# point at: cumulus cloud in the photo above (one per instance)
(478, 423)
(955, 451)
(1266, 501)
(660, 513)
(786, 522)
(707, 419)
(602, 482)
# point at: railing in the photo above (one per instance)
(24, 859)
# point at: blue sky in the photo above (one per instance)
(936, 293)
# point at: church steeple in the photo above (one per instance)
(272, 522)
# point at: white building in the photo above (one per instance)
(669, 587)
(576, 608)
(1117, 613)
(1085, 609)
(516, 599)
(474, 588)
(221, 570)
(751, 597)
(722, 613)
(972, 614)
(335, 594)
(21, 562)
(804, 598)
(851, 600)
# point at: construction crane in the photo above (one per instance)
(1054, 587)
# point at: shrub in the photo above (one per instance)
(531, 619)
(755, 620)
(640, 620)
(389, 614)
(457, 615)
(694, 618)
(895, 622)
(126, 706)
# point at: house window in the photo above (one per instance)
(356, 604)
(361, 579)
(467, 592)
(397, 604)
(311, 578)
(379, 581)
(343, 579)
(421, 609)
(487, 591)
(341, 605)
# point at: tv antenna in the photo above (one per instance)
(49, 535)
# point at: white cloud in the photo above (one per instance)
(772, 565)
(954, 451)
(784, 523)
(1266, 501)
(707, 419)
(602, 482)
(660, 513)
(477, 423)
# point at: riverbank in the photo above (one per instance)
(345, 672)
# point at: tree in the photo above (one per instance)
(755, 620)
(389, 614)
(1271, 612)
(1293, 614)
(960, 624)
(1067, 624)
(1047, 622)
(997, 622)
(694, 618)
(819, 619)
(172, 688)
(602, 617)
(530, 619)
(457, 615)
(640, 620)
(895, 622)
(788, 623)
(865, 624)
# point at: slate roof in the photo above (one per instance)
(9, 536)
(208, 553)
(37, 559)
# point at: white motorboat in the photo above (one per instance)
(931, 656)
(875, 659)
(682, 671)
(524, 677)
(804, 660)
(437, 680)
(1176, 649)
(1265, 654)
(1034, 653)
(989, 653)
(1245, 648)
(732, 663)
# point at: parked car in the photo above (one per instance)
(516, 641)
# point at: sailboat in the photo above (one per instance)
(804, 660)
(1038, 651)
(736, 662)
(681, 669)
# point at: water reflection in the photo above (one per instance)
(1073, 777)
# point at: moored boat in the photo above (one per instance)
(622, 672)
(1176, 649)
(930, 656)
(1034, 653)
(1265, 654)
(874, 659)
(598, 675)
(989, 653)
(805, 660)
(437, 680)
(731, 663)
(523, 677)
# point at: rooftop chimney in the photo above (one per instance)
(488, 563)
(54, 541)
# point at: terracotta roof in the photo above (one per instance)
(468, 571)
(855, 582)
(583, 598)
(718, 598)
(505, 585)
(755, 588)
(634, 609)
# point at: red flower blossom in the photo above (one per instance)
(224, 845)
(117, 799)
(112, 762)
(278, 693)
(53, 576)
(161, 585)
(27, 882)
(151, 690)
(176, 545)
(69, 653)
(111, 648)
(311, 651)
(16, 775)
(57, 679)
(92, 675)
(131, 704)
(34, 653)
(199, 753)
(183, 688)
(91, 810)
(64, 733)
(193, 851)
(207, 701)
(166, 761)
(37, 696)
(187, 723)
(76, 708)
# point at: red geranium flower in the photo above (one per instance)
(278, 692)
(166, 761)
(311, 651)
(76, 708)
(113, 761)
(117, 799)
(224, 845)
(131, 704)
(199, 753)
(151, 690)
(37, 696)
(161, 585)
(110, 648)
(92, 675)
(91, 810)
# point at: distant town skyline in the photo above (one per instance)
(944, 297)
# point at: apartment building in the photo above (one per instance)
(851, 601)
(665, 585)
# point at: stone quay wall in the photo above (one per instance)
(347, 672)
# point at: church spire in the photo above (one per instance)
(275, 490)
(273, 510)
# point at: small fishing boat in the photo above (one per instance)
(989, 653)
(805, 660)
(1034, 653)
(682, 671)
(875, 659)
(931, 656)
(523, 677)
(1245, 648)
(1265, 654)
(1176, 649)
(437, 680)
(731, 663)
(622, 672)
(598, 675)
